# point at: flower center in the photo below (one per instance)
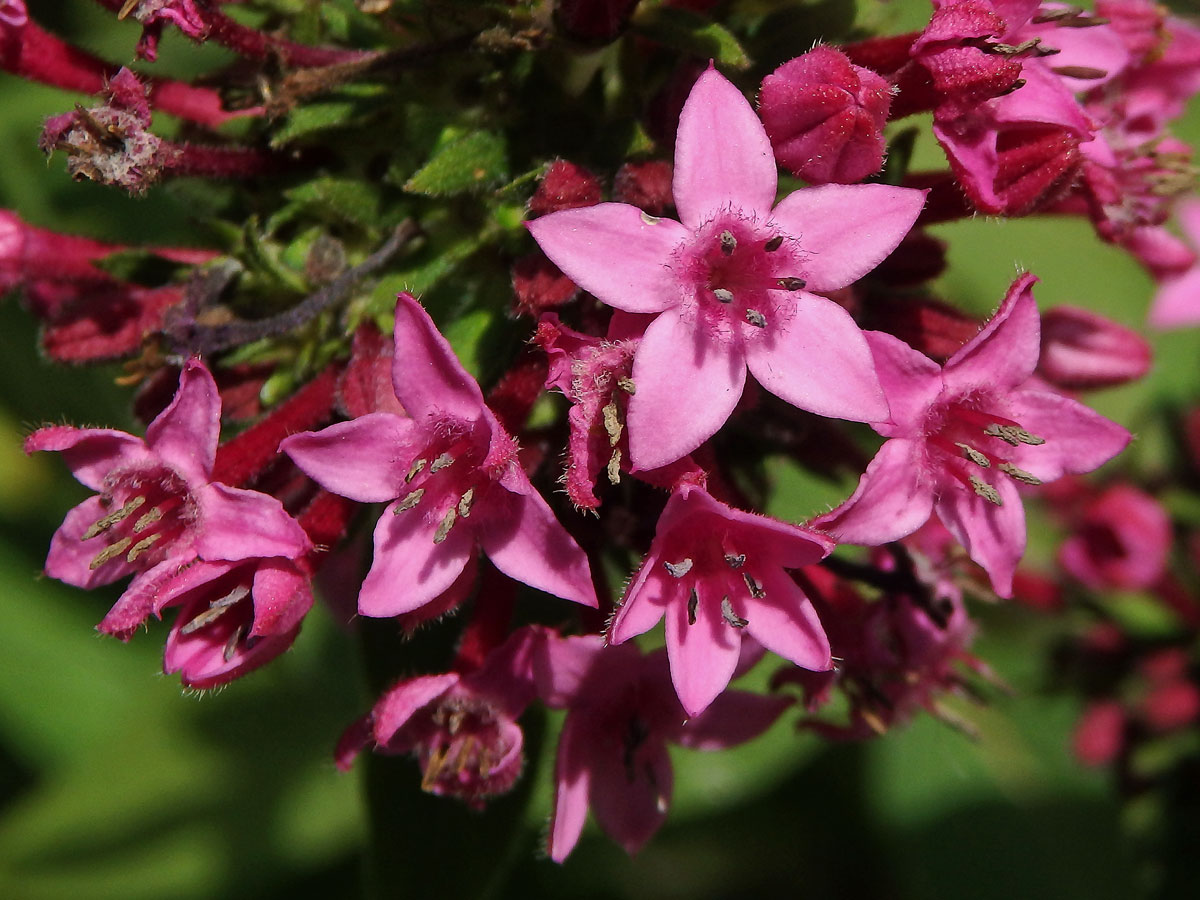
(469, 750)
(150, 508)
(720, 567)
(978, 447)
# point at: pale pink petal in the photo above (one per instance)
(785, 622)
(703, 654)
(1089, 48)
(429, 380)
(572, 779)
(409, 569)
(240, 524)
(561, 664)
(90, 453)
(185, 434)
(523, 539)
(1177, 302)
(687, 386)
(733, 718)
(911, 382)
(1077, 439)
(846, 230)
(282, 597)
(994, 536)
(723, 157)
(645, 601)
(616, 252)
(893, 498)
(70, 557)
(401, 702)
(1188, 215)
(365, 459)
(1005, 352)
(1043, 98)
(631, 810)
(816, 358)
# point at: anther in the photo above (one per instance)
(791, 283)
(1013, 434)
(112, 551)
(415, 469)
(147, 519)
(974, 455)
(464, 503)
(1019, 474)
(127, 8)
(442, 462)
(693, 602)
(755, 318)
(409, 502)
(735, 560)
(614, 467)
(1087, 72)
(649, 219)
(102, 525)
(612, 422)
(985, 490)
(725, 296)
(216, 609)
(756, 589)
(1081, 21)
(774, 243)
(142, 546)
(232, 643)
(1015, 86)
(1046, 16)
(730, 617)
(679, 569)
(626, 384)
(728, 243)
(445, 525)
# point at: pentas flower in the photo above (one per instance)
(715, 573)
(1120, 539)
(964, 435)
(158, 509)
(730, 282)
(621, 715)
(453, 479)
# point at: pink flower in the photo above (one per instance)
(728, 281)
(158, 509)
(1177, 303)
(716, 572)
(1121, 541)
(453, 478)
(825, 117)
(612, 752)
(964, 435)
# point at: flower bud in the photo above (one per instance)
(1082, 350)
(1121, 542)
(564, 186)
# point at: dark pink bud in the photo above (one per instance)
(1082, 350)
(596, 21)
(1100, 734)
(1033, 164)
(1121, 542)
(646, 185)
(564, 186)
(825, 117)
(539, 284)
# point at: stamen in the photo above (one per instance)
(791, 283)
(437, 759)
(142, 546)
(127, 8)
(755, 318)
(626, 384)
(649, 219)
(1081, 21)
(1015, 86)
(232, 643)
(465, 501)
(112, 551)
(442, 462)
(614, 467)
(728, 243)
(409, 502)
(985, 490)
(693, 602)
(974, 455)
(1001, 49)
(612, 422)
(445, 525)
(414, 470)
(756, 589)
(1046, 16)
(735, 560)
(725, 296)
(148, 519)
(216, 609)
(1019, 474)
(774, 243)
(730, 617)
(679, 569)
(102, 525)
(1079, 72)
(1013, 434)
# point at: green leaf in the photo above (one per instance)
(471, 163)
(350, 108)
(340, 199)
(139, 266)
(683, 30)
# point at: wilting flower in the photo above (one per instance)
(728, 281)
(964, 435)
(453, 478)
(715, 573)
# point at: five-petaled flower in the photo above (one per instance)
(453, 478)
(731, 280)
(964, 435)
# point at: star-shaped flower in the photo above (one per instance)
(731, 280)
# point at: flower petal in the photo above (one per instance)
(588, 242)
(645, 601)
(1005, 352)
(282, 598)
(893, 499)
(1077, 439)
(733, 718)
(140, 598)
(409, 569)
(429, 380)
(994, 536)
(911, 382)
(687, 386)
(393, 710)
(90, 453)
(703, 653)
(630, 801)
(846, 230)
(365, 459)
(185, 434)
(240, 524)
(1177, 302)
(572, 784)
(70, 557)
(785, 622)
(817, 359)
(723, 157)
(561, 665)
